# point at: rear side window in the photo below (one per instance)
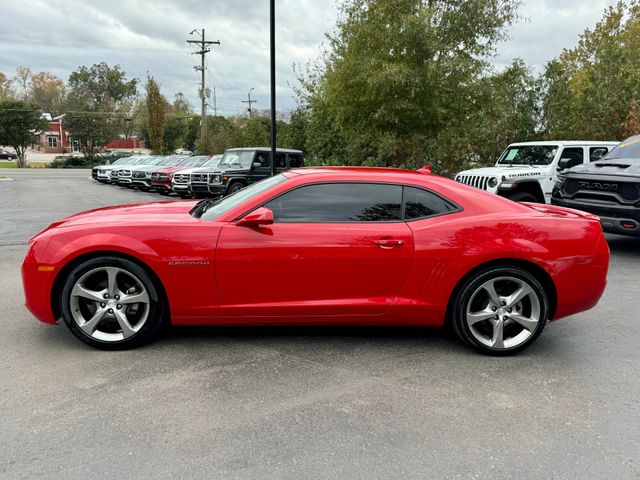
(339, 202)
(281, 160)
(420, 203)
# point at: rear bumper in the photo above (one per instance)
(620, 219)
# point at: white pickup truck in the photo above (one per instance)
(527, 171)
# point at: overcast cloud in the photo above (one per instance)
(149, 36)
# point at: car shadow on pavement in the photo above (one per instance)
(623, 245)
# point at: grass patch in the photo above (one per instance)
(7, 164)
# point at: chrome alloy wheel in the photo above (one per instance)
(503, 313)
(109, 304)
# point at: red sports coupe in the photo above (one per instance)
(362, 246)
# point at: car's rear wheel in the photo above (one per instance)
(111, 303)
(501, 310)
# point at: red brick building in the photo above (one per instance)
(56, 138)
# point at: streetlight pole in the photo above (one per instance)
(272, 15)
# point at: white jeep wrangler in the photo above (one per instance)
(526, 172)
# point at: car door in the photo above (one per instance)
(333, 249)
(260, 167)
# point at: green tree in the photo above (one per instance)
(156, 108)
(590, 89)
(19, 122)
(96, 93)
(397, 72)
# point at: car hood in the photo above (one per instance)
(622, 167)
(144, 213)
(168, 169)
(224, 169)
(505, 171)
(190, 170)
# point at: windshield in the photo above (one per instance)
(211, 209)
(238, 158)
(124, 161)
(627, 150)
(529, 155)
(213, 161)
(193, 161)
(170, 161)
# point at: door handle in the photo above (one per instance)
(389, 243)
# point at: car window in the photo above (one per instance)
(263, 159)
(295, 160)
(281, 161)
(209, 210)
(575, 155)
(627, 150)
(419, 203)
(339, 202)
(596, 153)
(528, 155)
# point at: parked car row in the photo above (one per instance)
(602, 178)
(197, 176)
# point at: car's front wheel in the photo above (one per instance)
(111, 303)
(501, 310)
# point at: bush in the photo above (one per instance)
(84, 161)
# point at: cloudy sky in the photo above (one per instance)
(149, 36)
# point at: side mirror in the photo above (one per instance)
(259, 217)
(563, 164)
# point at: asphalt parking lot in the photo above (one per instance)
(292, 403)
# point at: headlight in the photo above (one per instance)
(215, 179)
(493, 182)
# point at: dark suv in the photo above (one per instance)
(609, 188)
(240, 167)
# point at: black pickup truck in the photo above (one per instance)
(609, 188)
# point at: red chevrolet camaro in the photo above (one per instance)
(351, 246)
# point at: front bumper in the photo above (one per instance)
(620, 219)
(141, 182)
(37, 282)
(161, 184)
(181, 187)
(124, 181)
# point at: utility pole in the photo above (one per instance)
(204, 49)
(250, 102)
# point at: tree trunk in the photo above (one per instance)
(21, 152)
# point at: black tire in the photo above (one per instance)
(472, 284)
(235, 187)
(157, 310)
(523, 197)
(164, 192)
(199, 196)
